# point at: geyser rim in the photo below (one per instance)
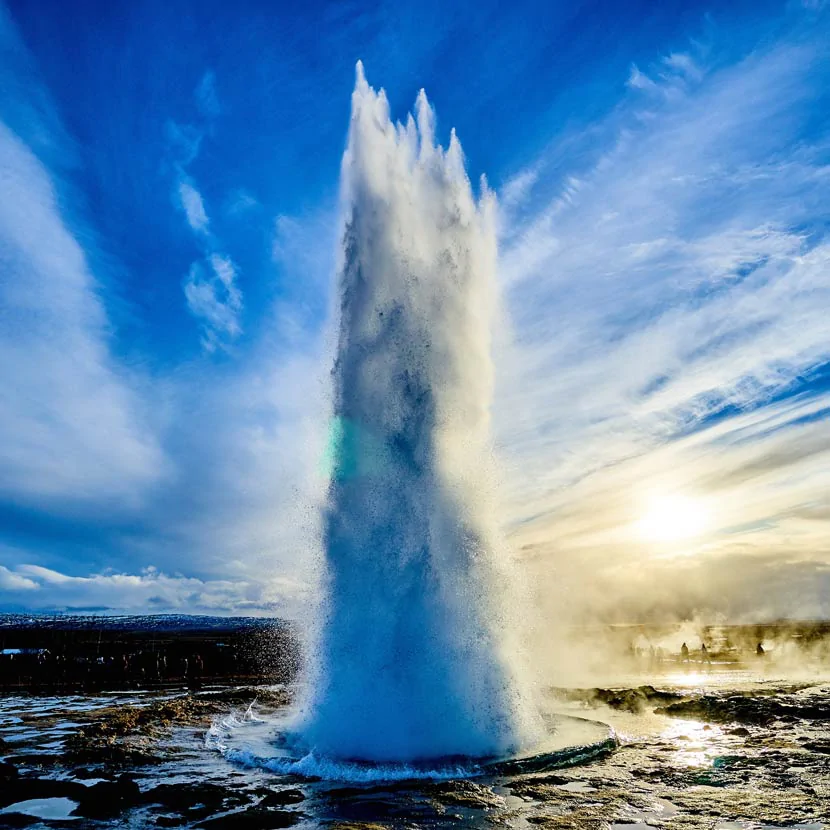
(324, 768)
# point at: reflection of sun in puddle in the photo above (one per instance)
(694, 743)
(691, 679)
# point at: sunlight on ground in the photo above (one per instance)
(695, 743)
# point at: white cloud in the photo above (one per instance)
(213, 297)
(517, 188)
(194, 207)
(639, 80)
(11, 581)
(240, 202)
(74, 427)
(682, 63)
(150, 591)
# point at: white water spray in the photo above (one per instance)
(417, 656)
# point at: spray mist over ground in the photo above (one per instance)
(417, 657)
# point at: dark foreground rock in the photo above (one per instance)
(195, 801)
(8, 772)
(758, 711)
(634, 700)
(25, 789)
(15, 820)
(254, 818)
(282, 798)
(108, 799)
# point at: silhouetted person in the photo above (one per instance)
(704, 654)
(684, 653)
(759, 650)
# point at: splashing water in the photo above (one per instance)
(417, 655)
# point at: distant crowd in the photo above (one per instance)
(657, 654)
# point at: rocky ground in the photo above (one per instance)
(686, 758)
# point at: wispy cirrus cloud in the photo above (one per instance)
(75, 429)
(668, 270)
(213, 297)
(193, 206)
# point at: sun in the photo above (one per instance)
(673, 518)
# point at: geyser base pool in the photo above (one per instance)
(250, 741)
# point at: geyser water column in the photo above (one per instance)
(417, 657)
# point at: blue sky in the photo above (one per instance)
(168, 239)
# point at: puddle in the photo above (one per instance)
(54, 809)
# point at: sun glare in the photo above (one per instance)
(673, 518)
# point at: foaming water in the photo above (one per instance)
(267, 743)
(417, 653)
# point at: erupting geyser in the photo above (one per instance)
(416, 658)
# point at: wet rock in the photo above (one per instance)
(634, 700)
(171, 821)
(128, 734)
(282, 798)
(740, 732)
(24, 789)
(758, 710)
(540, 791)
(464, 794)
(7, 772)
(181, 797)
(774, 806)
(36, 760)
(821, 746)
(553, 779)
(582, 818)
(270, 698)
(254, 818)
(107, 799)
(351, 825)
(83, 774)
(14, 820)
(366, 809)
